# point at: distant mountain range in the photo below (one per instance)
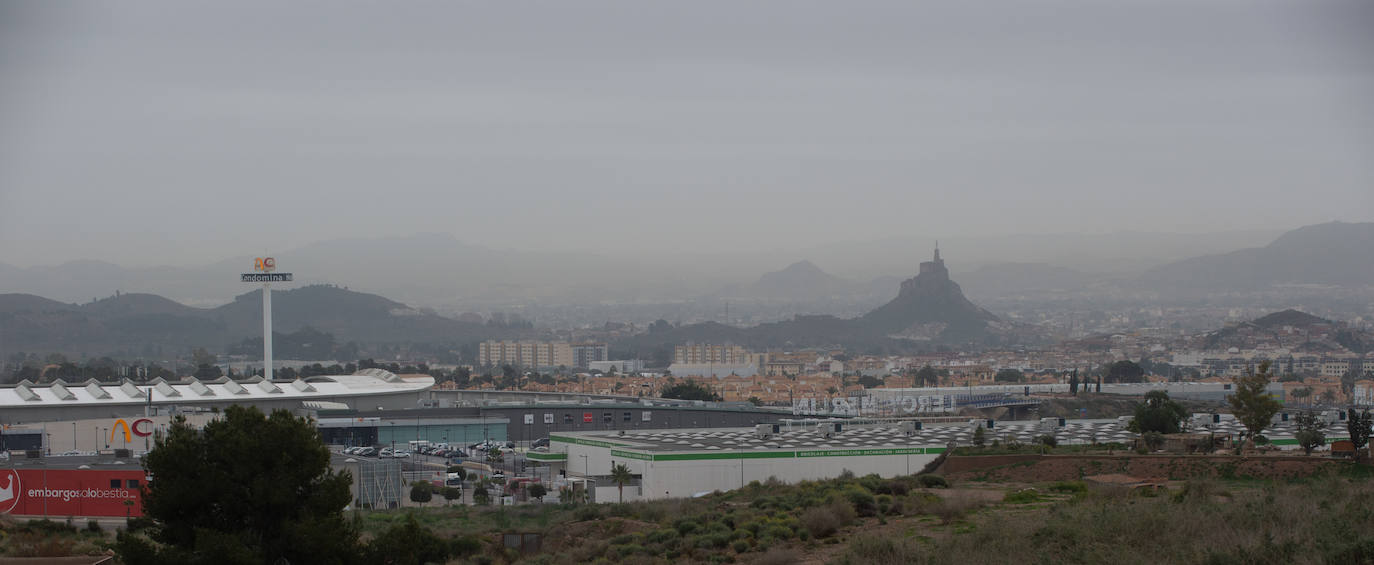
(129, 324)
(438, 270)
(1336, 253)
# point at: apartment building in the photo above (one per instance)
(525, 353)
(584, 354)
(703, 353)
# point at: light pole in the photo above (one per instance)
(73, 436)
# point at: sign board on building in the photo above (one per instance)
(872, 406)
(548, 418)
(586, 417)
(265, 277)
(141, 427)
(529, 419)
(647, 416)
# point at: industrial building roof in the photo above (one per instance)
(159, 391)
(877, 436)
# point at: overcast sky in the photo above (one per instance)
(186, 132)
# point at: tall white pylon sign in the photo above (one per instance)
(264, 267)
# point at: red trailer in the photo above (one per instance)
(71, 492)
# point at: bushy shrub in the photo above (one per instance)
(664, 536)
(822, 522)
(623, 551)
(884, 502)
(740, 546)
(1069, 486)
(465, 545)
(686, 526)
(624, 539)
(864, 504)
(932, 481)
(1024, 496)
(588, 512)
(712, 541)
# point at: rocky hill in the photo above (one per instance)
(1294, 330)
(802, 280)
(930, 306)
(930, 309)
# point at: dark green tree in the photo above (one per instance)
(689, 390)
(421, 492)
(1158, 414)
(1348, 383)
(1126, 371)
(927, 376)
(407, 543)
(247, 488)
(1311, 431)
(537, 491)
(451, 494)
(1251, 403)
(1359, 424)
(1073, 383)
(1008, 376)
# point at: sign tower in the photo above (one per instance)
(263, 272)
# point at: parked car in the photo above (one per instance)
(384, 453)
(368, 452)
(541, 442)
(400, 454)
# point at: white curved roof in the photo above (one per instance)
(92, 393)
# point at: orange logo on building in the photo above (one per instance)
(130, 431)
(264, 264)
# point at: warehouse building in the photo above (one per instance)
(685, 462)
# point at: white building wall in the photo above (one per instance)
(669, 479)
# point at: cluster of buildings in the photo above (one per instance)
(541, 354)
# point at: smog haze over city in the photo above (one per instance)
(686, 282)
(167, 133)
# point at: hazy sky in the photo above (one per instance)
(186, 132)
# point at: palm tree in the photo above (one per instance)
(620, 474)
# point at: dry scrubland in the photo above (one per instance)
(868, 520)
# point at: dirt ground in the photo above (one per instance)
(906, 526)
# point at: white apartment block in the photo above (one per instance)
(525, 353)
